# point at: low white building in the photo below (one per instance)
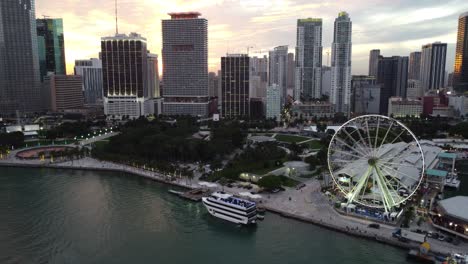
(398, 106)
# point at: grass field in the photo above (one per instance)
(314, 144)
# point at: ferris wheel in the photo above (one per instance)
(376, 161)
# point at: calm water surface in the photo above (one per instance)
(61, 216)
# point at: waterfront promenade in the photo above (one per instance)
(308, 204)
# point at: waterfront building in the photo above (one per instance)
(308, 59)
(19, 62)
(393, 78)
(62, 92)
(91, 74)
(326, 80)
(185, 60)
(460, 74)
(235, 86)
(414, 68)
(51, 46)
(401, 107)
(452, 216)
(415, 89)
(341, 64)
(124, 69)
(433, 58)
(278, 70)
(365, 95)
(273, 106)
(374, 62)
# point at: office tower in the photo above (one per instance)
(433, 58)
(290, 76)
(258, 77)
(341, 63)
(326, 80)
(393, 78)
(460, 73)
(308, 59)
(213, 80)
(19, 65)
(235, 86)
(63, 92)
(414, 71)
(91, 74)
(273, 106)
(185, 60)
(278, 70)
(124, 70)
(51, 45)
(365, 95)
(414, 90)
(374, 62)
(152, 76)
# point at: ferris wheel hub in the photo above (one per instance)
(372, 161)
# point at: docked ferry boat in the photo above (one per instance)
(231, 208)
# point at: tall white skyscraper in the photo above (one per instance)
(433, 59)
(308, 59)
(341, 63)
(273, 106)
(278, 69)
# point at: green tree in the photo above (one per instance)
(270, 182)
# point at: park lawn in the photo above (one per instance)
(288, 182)
(314, 144)
(290, 138)
(101, 143)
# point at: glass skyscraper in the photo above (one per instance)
(51, 46)
(460, 74)
(308, 59)
(19, 65)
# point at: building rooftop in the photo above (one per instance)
(437, 173)
(184, 15)
(447, 155)
(456, 207)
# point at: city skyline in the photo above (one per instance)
(263, 24)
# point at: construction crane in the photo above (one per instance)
(248, 49)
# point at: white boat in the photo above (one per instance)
(228, 207)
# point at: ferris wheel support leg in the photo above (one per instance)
(357, 189)
(388, 201)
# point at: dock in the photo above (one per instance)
(193, 195)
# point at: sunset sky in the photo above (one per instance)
(396, 27)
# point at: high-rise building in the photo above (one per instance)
(19, 64)
(291, 80)
(326, 80)
(51, 46)
(278, 70)
(62, 92)
(91, 74)
(414, 90)
(258, 77)
(393, 78)
(460, 74)
(273, 105)
(185, 60)
(365, 95)
(308, 59)
(414, 72)
(433, 58)
(124, 70)
(235, 86)
(213, 80)
(374, 62)
(152, 90)
(341, 64)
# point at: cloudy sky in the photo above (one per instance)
(396, 27)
